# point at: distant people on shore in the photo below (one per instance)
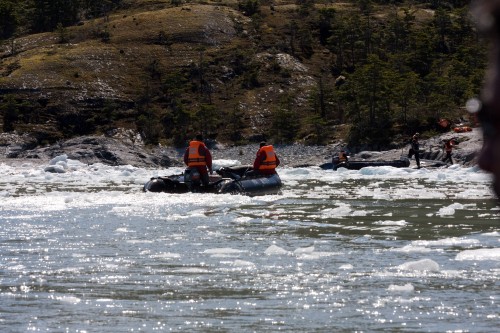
(487, 16)
(415, 149)
(448, 149)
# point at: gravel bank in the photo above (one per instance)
(117, 152)
(299, 155)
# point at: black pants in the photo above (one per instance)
(205, 179)
(417, 156)
(448, 157)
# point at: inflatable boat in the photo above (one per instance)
(233, 180)
(403, 162)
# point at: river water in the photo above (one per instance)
(380, 249)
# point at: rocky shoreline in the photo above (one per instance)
(16, 149)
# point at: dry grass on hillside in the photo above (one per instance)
(173, 37)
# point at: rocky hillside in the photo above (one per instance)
(109, 71)
(156, 73)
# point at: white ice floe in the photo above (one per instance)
(420, 265)
(479, 254)
(404, 288)
(276, 250)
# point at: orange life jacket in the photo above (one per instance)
(269, 162)
(194, 157)
(342, 156)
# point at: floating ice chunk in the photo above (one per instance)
(223, 251)
(166, 255)
(57, 159)
(412, 248)
(217, 164)
(452, 241)
(66, 299)
(450, 210)
(275, 250)
(389, 222)
(55, 169)
(303, 250)
(314, 255)
(405, 288)
(243, 263)
(479, 254)
(338, 212)
(192, 270)
(381, 170)
(308, 256)
(457, 205)
(420, 265)
(446, 211)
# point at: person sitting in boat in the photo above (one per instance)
(448, 148)
(343, 156)
(415, 149)
(198, 156)
(266, 161)
(339, 158)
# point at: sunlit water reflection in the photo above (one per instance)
(371, 250)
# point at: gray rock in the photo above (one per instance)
(99, 149)
(113, 151)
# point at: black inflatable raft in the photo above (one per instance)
(234, 180)
(356, 165)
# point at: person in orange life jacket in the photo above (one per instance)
(198, 156)
(448, 147)
(266, 161)
(343, 156)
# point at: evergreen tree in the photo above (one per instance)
(47, 14)
(8, 19)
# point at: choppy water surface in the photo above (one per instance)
(380, 249)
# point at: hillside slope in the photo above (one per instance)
(124, 59)
(166, 72)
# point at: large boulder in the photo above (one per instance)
(99, 149)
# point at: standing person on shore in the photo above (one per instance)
(198, 156)
(448, 148)
(266, 161)
(487, 15)
(415, 149)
